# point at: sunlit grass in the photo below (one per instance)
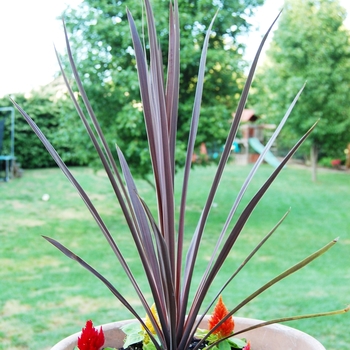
(45, 297)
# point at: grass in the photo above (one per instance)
(45, 297)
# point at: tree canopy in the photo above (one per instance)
(310, 45)
(102, 46)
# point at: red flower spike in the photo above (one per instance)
(91, 338)
(226, 328)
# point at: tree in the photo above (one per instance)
(310, 45)
(102, 45)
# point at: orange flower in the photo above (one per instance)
(220, 311)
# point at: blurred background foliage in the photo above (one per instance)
(102, 46)
(58, 120)
(309, 44)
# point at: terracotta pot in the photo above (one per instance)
(272, 337)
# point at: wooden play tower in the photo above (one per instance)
(252, 138)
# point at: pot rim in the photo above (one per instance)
(296, 339)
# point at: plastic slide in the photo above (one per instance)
(259, 147)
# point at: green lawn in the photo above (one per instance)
(44, 296)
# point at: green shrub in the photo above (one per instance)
(59, 121)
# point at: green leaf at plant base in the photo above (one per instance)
(226, 344)
(149, 346)
(134, 333)
(236, 343)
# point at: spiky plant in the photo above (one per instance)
(160, 241)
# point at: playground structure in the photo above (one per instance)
(249, 146)
(7, 141)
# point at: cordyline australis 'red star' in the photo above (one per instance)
(91, 338)
(167, 257)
